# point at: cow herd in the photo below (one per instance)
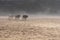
(17, 17)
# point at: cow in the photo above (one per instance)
(10, 17)
(24, 17)
(17, 17)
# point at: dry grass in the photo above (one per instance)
(42, 29)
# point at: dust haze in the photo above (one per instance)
(31, 7)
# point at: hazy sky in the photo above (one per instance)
(47, 7)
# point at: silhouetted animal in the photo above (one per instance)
(25, 17)
(17, 17)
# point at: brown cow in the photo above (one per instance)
(17, 17)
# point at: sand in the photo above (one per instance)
(39, 29)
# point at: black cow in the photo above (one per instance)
(25, 17)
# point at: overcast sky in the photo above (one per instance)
(47, 7)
